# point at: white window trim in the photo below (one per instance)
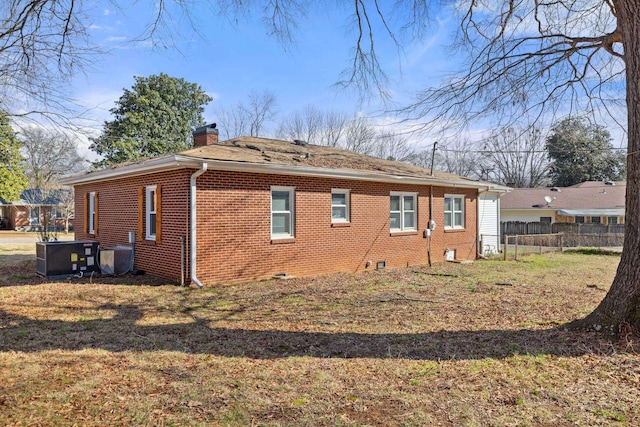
(291, 212)
(148, 199)
(347, 205)
(92, 212)
(402, 195)
(453, 225)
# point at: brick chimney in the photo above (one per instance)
(205, 135)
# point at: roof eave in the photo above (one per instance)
(178, 162)
(159, 164)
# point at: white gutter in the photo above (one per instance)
(192, 228)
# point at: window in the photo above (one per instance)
(453, 211)
(612, 220)
(339, 205)
(151, 212)
(54, 213)
(545, 219)
(34, 216)
(579, 219)
(403, 212)
(282, 212)
(596, 220)
(91, 213)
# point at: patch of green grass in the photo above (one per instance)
(292, 300)
(224, 305)
(609, 415)
(300, 401)
(592, 251)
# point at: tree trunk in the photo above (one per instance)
(620, 308)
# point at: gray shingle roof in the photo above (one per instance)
(271, 151)
(587, 195)
(284, 157)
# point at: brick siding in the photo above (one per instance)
(118, 214)
(234, 225)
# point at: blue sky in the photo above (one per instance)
(229, 61)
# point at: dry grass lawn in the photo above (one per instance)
(454, 345)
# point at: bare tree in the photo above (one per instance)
(42, 44)
(307, 125)
(460, 157)
(517, 157)
(335, 124)
(360, 136)
(66, 207)
(356, 133)
(260, 110)
(49, 155)
(232, 121)
(328, 128)
(248, 119)
(393, 146)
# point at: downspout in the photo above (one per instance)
(192, 227)
(429, 224)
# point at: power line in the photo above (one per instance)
(585, 150)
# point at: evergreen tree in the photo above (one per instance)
(581, 152)
(155, 117)
(13, 179)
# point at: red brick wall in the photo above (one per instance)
(118, 214)
(234, 237)
(234, 226)
(20, 217)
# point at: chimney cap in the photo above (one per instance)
(206, 129)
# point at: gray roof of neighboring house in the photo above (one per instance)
(263, 155)
(36, 196)
(584, 197)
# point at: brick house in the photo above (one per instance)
(37, 209)
(251, 208)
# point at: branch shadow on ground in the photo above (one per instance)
(122, 333)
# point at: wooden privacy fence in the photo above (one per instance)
(521, 227)
(575, 234)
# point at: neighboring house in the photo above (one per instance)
(594, 202)
(251, 208)
(36, 209)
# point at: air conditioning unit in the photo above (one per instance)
(118, 260)
(65, 259)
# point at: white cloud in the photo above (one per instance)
(116, 39)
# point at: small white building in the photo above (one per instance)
(489, 221)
